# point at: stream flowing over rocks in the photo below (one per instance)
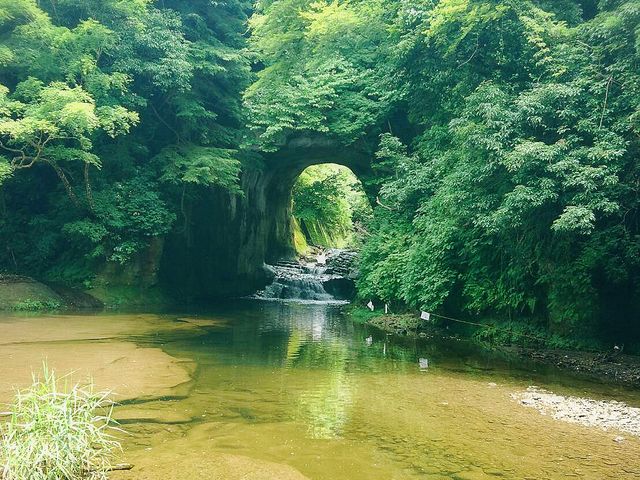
(584, 411)
(311, 280)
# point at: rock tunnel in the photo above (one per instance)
(231, 237)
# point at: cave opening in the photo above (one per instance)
(233, 238)
(329, 209)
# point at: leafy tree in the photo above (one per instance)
(330, 206)
(55, 126)
(132, 104)
(507, 151)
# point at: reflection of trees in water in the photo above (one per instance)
(322, 346)
(324, 406)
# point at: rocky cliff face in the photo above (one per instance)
(229, 238)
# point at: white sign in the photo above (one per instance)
(370, 305)
(386, 308)
(425, 316)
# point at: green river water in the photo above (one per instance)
(269, 390)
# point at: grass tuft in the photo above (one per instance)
(58, 432)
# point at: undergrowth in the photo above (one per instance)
(58, 432)
(30, 305)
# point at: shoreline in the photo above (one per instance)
(616, 369)
(603, 414)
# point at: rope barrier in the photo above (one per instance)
(475, 324)
(483, 325)
(459, 321)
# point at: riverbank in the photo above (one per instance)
(606, 415)
(26, 294)
(610, 367)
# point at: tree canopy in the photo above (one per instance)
(503, 138)
(134, 106)
(507, 145)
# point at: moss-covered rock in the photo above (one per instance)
(24, 293)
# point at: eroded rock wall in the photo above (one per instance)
(222, 250)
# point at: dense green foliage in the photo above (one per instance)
(112, 115)
(503, 138)
(506, 160)
(330, 206)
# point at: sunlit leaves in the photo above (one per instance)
(206, 166)
(325, 69)
(328, 202)
(116, 120)
(57, 124)
(575, 218)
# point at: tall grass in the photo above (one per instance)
(56, 431)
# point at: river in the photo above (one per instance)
(275, 390)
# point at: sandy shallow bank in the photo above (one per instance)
(97, 349)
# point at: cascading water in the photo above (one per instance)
(309, 281)
(297, 281)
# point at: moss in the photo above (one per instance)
(116, 296)
(26, 294)
(299, 240)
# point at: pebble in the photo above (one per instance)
(584, 411)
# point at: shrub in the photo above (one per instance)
(56, 433)
(36, 305)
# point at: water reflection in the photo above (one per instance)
(302, 385)
(312, 343)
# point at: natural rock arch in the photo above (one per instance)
(230, 237)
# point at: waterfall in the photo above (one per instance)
(307, 281)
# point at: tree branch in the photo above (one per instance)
(606, 98)
(378, 202)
